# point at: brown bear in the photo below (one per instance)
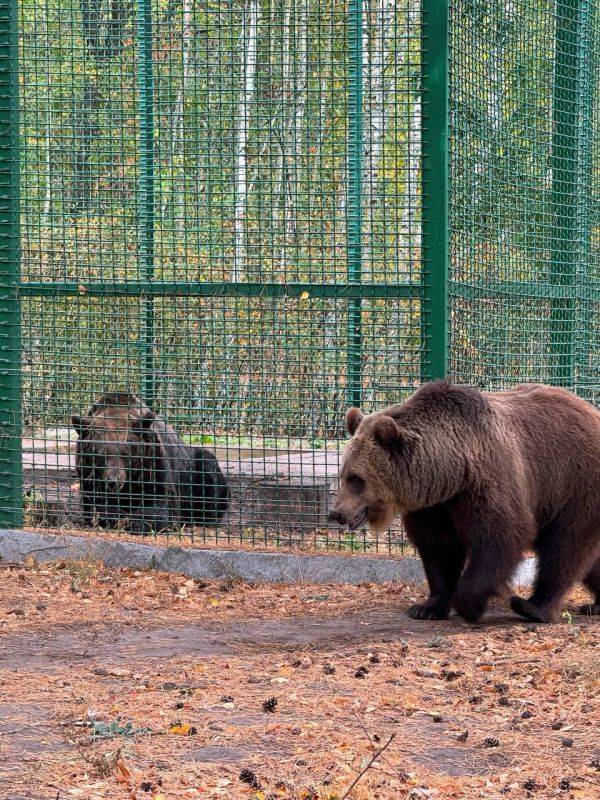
(133, 467)
(478, 479)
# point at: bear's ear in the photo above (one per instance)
(81, 424)
(353, 419)
(144, 422)
(386, 433)
(392, 436)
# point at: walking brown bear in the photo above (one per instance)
(133, 466)
(478, 479)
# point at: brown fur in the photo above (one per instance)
(478, 479)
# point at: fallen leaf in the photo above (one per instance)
(124, 775)
(183, 729)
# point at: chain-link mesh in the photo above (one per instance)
(221, 214)
(524, 287)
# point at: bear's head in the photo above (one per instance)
(376, 480)
(115, 443)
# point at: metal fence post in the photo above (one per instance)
(565, 162)
(354, 202)
(11, 473)
(583, 317)
(435, 133)
(146, 192)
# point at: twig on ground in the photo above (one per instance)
(372, 760)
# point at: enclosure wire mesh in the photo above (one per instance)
(200, 184)
(221, 212)
(524, 105)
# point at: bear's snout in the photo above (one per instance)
(115, 476)
(353, 520)
(337, 516)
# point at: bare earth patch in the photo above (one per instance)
(120, 684)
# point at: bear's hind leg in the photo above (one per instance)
(496, 538)
(592, 581)
(443, 556)
(561, 562)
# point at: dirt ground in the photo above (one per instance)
(122, 684)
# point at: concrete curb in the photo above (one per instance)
(251, 566)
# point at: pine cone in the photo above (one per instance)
(247, 776)
(491, 742)
(270, 705)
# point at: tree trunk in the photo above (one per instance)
(248, 74)
(177, 139)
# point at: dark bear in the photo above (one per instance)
(133, 466)
(479, 479)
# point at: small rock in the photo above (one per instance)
(531, 785)
(462, 737)
(557, 725)
(119, 672)
(526, 715)
(437, 643)
(328, 669)
(437, 718)
(564, 785)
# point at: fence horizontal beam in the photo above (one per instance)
(205, 289)
(524, 289)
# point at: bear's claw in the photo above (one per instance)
(425, 611)
(469, 608)
(525, 608)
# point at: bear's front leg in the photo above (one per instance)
(495, 539)
(443, 555)
(151, 519)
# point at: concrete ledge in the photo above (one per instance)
(250, 566)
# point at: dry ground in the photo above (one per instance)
(175, 673)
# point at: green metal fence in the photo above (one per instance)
(255, 213)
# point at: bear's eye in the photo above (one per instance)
(356, 482)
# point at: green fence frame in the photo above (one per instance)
(435, 143)
(10, 327)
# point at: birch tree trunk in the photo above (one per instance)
(410, 231)
(376, 49)
(248, 74)
(297, 114)
(47, 210)
(280, 192)
(177, 143)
